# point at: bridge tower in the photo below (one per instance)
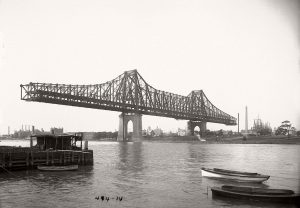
(136, 124)
(192, 124)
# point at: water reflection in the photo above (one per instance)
(239, 202)
(131, 158)
(151, 174)
(129, 180)
(34, 183)
(199, 153)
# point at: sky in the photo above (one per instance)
(240, 53)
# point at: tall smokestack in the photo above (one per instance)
(246, 120)
(238, 123)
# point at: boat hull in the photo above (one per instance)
(58, 168)
(284, 198)
(235, 177)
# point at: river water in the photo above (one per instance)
(151, 174)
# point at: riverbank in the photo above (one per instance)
(212, 140)
(257, 140)
(232, 140)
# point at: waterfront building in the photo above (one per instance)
(148, 131)
(181, 132)
(158, 132)
(144, 132)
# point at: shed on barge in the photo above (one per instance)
(57, 142)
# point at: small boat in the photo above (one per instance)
(57, 167)
(261, 194)
(234, 175)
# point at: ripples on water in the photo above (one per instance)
(152, 174)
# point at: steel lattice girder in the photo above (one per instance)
(129, 93)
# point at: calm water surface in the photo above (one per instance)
(151, 174)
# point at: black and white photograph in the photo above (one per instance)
(149, 103)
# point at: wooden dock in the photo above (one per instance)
(49, 149)
(14, 158)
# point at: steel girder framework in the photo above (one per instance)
(129, 93)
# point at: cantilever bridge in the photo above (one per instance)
(130, 94)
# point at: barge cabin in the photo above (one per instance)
(56, 142)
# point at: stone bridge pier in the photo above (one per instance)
(192, 124)
(136, 124)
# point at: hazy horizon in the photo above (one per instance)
(240, 53)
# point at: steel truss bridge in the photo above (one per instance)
(129, 93)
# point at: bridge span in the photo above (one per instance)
(130, 94)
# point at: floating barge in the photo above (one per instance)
(50, 149)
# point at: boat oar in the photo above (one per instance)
(206, 191)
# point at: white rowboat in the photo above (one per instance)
(234, 175)
(57, 168)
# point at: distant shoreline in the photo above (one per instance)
(210, 140)
(233, 140)
(257, 140)
(224, 140)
